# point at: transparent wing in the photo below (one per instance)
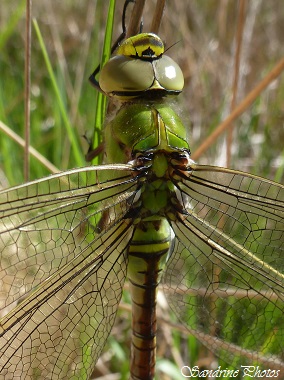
(226, 274)
(62, 270)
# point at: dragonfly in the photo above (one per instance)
(212, 237)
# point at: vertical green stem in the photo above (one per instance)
(101, 99)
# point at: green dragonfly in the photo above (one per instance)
(213, 237)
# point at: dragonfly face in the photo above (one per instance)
(214, 237)
(141, 70)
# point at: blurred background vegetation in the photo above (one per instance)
(200, 36)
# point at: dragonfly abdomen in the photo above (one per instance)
(148, 252)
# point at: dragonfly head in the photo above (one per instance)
(139, 69)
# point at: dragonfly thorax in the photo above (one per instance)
(142, 129)
(160, 174)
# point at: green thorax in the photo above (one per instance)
(143, 128)
(140, 130)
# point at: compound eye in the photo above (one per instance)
(125, 74)
(168, 74)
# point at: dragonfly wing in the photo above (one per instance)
(226, 274)
(63, 267)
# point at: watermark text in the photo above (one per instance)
(244, 371)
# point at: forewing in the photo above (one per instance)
(225, 276)
(63, 265)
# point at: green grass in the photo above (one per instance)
(67, 40)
